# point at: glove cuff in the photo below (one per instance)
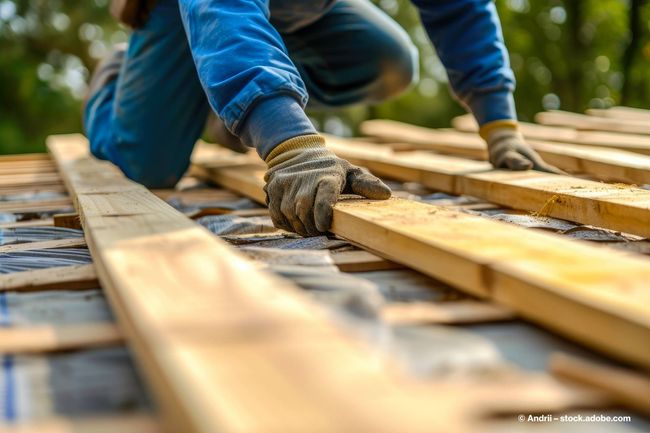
(301, 142)
(498, 128)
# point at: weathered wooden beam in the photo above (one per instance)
(625, 113)
(75, 277)
(600, 163)
(446, 313)
(45, 163)
(122, 423)
(629, 142)
(617, 207)
(226, 347)
(56, 338)
(67, 220)
(627, 387)
(29, 180)
(50, 187)
(13, 171)
(586, 293)
(362, 261)
(467, 123)
(199, 213)
(35, 205)
(29, 223)
(582, 121)
(25, 157)
(598, 296)
(43, 245)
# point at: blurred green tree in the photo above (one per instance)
(566, 54)
(47, 48)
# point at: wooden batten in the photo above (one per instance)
(623, 113)
(35, 206)
(637, 143)
(67, 220)
(627, 387)
(582, 121)
(617, 207)
(44, 245)
(123, 423)
(56, 338)
(598, 162)
(224, 346)
(74, 277)
(362, 261)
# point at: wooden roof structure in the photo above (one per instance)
(226, 345)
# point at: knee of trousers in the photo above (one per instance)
(398, 69)
(143, 164)
(153, 176)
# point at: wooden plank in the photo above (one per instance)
(600, 163)
(25, 157)
(50, 187)
(582, 121)
(240, 350)
(31, 180)
(628, 142)
(233, 178)
(362, 261)
(590, 294)
(467, 123)
(13, 169)
(617, 207)
(35, 205)
(67, 220)
(420, 138)
(222, 211)
(627, 387)
(27, 163)
(43, 245)
(594, 295)
(446, 313)
(624, 113)
(196, 196)
(56, 338)
(75, 277)
(29, 223)
(123, 423)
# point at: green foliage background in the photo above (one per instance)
(571, 54)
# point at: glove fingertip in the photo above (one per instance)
(378, 191)
(552, 169)
(371, 187)
(323, 217)
(518, 163)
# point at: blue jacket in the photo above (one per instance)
(253, 85)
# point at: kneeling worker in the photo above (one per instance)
(256, 63)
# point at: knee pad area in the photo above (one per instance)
(398, 70)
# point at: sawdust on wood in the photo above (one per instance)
(544, 211)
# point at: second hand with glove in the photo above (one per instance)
(507, 148)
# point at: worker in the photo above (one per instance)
(258, 63)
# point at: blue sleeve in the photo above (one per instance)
(468, 39)
(245, 70)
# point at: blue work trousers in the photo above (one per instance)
(148, 120)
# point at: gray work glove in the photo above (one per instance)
(507, 148)
(304, 181)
